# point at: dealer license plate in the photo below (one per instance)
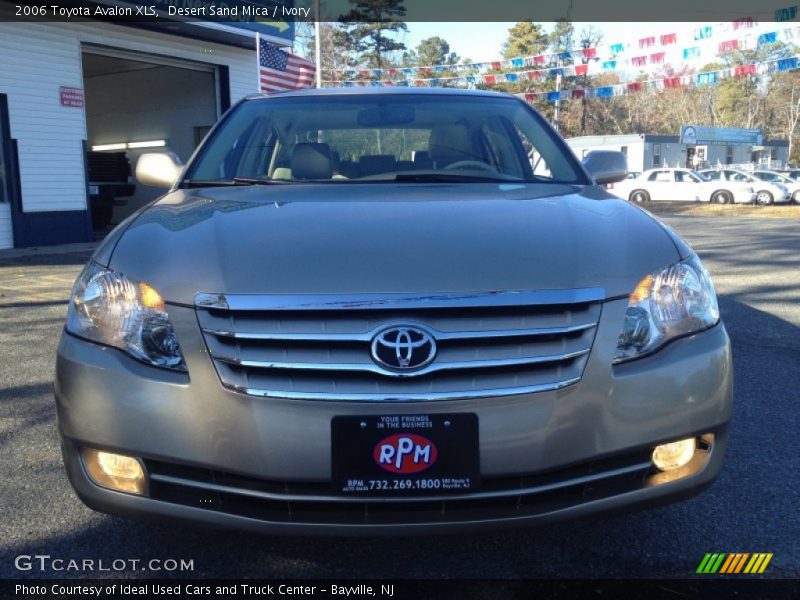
(405, 455)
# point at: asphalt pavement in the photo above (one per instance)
(753, 506)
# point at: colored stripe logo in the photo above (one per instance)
(734, 563)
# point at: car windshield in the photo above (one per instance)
(383, 137)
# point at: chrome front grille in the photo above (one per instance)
(318, 348)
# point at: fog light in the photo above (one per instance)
(115, 471)
(674, 455)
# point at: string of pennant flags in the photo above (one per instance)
(706, 78)
(640, 54)
(568, 71)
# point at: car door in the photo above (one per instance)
(660, 184)
(688, 188)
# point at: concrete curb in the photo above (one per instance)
(45, 250)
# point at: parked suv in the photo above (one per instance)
(482, 336)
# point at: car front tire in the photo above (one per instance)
(721, 197)
(764, 198)
(639, 196)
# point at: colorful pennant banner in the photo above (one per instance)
(639, 54)
(707, 78)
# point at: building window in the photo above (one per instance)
(773, 153)
(729, 155)
(624, 150)
(656, 155)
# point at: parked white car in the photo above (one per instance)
(779, 178)
(681, 185)
(766, 192)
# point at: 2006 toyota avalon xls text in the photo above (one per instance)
(375, 311)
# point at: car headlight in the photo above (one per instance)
(677, 301)
(108, 308)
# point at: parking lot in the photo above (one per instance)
(753, 507)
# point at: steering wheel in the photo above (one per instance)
(470, 164)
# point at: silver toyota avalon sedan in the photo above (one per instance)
(390, 311)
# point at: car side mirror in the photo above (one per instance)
(606, 166)
(160, 169)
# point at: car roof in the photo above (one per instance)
(381, 91)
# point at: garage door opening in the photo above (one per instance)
(137, 103)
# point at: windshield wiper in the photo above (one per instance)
(255, 181)
(198, 183)
(453, 178)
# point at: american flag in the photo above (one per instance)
(280, 71)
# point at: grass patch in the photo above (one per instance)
(706, 209)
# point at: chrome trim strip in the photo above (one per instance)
(375, 368)
(366, 337)
(378, 499)
(404, 397)
(279, 302)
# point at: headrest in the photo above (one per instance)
(422, 160)
(311, 161)
(449, 144)
(373, 164)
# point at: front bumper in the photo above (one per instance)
(265, 463)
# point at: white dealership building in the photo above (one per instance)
(69, 87)
(646, 151)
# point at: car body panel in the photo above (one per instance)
(407, 238)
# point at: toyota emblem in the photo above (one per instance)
(403, 348)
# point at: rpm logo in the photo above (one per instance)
(405, 453)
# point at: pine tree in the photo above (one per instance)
(370, 27)
(525, 38)
(435, 51)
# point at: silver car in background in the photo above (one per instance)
(792, 186)
(390, 311)
(766, 191)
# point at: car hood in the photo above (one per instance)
(389, 238)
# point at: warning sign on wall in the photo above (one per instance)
(71, 96)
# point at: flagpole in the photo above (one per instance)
(317, 49)
(258, 62)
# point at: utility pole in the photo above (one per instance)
(558, 76)
(558, 89)
(317, 48)
(585, 44)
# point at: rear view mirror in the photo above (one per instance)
(606, 166)
(386, 115)
(160, 169)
